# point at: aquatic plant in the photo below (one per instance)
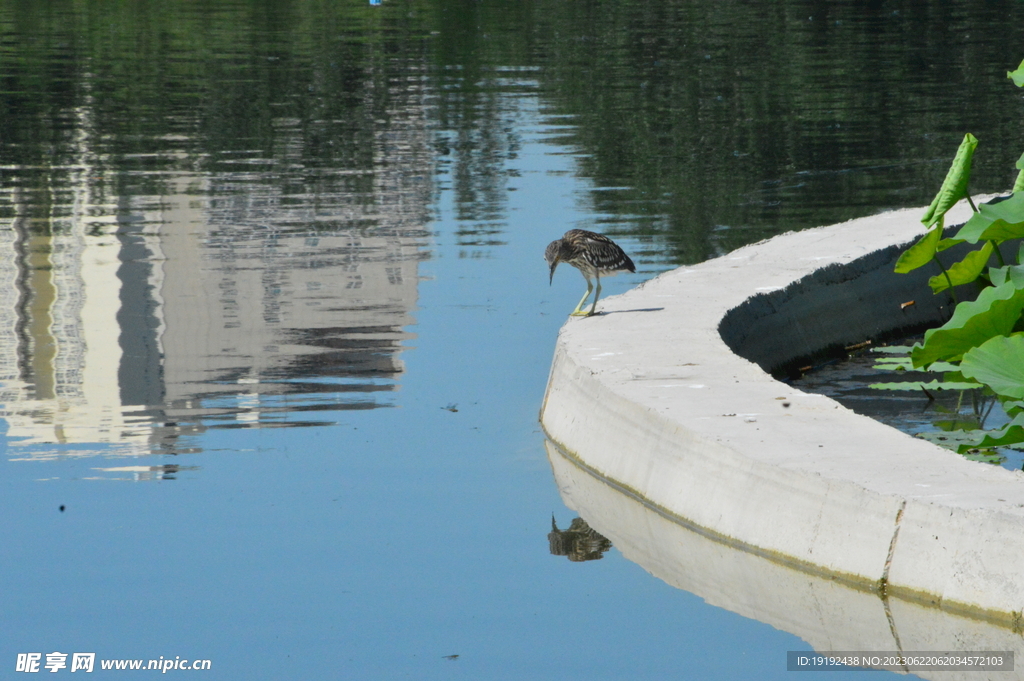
(982, 344)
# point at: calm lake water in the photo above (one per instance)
(276, 325)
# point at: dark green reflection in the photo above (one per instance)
(724, 123)
(711, 124)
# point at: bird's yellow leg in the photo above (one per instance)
(597, 294)
(579, 307)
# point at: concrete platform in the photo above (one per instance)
(650, 397)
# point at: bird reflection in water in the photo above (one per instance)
(580, 542)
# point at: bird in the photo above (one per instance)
(593, 255)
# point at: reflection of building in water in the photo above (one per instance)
(580, 542)
(232, 299)
(141, 473)
(58, 299)
(256, 309)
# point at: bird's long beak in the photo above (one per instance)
(551, 276)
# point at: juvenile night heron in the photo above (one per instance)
(593, 255)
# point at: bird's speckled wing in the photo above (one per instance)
(598, 251)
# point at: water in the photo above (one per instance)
(276, 326)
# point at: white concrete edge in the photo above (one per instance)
(648, 396)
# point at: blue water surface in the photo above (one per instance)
(380, 545)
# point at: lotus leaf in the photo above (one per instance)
(1017, 76)
(931, 385)
(1000, 275)
(994, 313)
(920, 253)
(1009, 435)
(996, 221)
(954, 187)
(965, 271)
(999, 364)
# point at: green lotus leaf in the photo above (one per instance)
(1018, 184)
(930, 385)
(954, 187)
(991, 456)
(1013, 407)
(996, 221)
(1017, 76)
(950, 372)
(905, 364)
(957, 440)
(994, 313)
(957, 425)
(965, 271)
(1011, 434)
(999, 364)
(1000, 275)
(920, 253)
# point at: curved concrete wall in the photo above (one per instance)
(649, 397)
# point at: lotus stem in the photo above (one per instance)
(999, 254)
(952, 291)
